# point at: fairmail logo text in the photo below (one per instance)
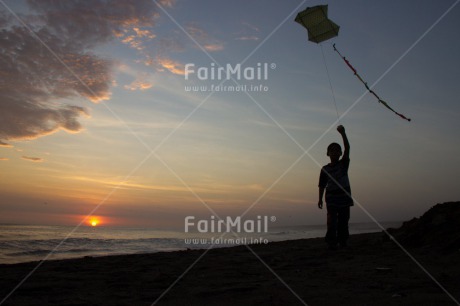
(229, 71)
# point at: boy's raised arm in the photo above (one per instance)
(346, 144)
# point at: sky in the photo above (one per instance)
(116, 109)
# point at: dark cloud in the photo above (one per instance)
(4, 144)
(34, 83)
(33, 159)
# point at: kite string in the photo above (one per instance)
(330, 83)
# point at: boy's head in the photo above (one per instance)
(334, 151)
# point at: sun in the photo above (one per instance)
(94, 222)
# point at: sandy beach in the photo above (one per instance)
(373, 270)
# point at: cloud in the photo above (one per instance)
(203, 38)
(213, 47)
(158, 55)
(169, 44)
(33, 159)
(167, 3)
(142, 80)
(136, 38)
(96, 21)
(248, 32)
(250, 26)
(4, 158)
(171, 65)
(144, 33)
(139, 85)
(34, 83)
(133, 42)
(247, 38)
(5, 145)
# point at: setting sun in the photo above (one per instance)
(94, 222)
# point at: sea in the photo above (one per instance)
(26, 243)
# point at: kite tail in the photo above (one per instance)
(388, 106)
(367, 87)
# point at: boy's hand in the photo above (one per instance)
(320, 204)
(341, 129)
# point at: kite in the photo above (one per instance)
(320, 28)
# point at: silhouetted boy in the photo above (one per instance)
(334, 179)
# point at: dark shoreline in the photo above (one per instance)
(34, 250)
(371, 271)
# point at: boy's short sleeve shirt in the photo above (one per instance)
(335, 179)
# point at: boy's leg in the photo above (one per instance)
(343, 216)
(331, 235)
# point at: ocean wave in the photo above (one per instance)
(48, 251)
(85, 246)
(279, 233)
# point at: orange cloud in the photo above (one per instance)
(128, 39)
(136, 40)
(144, 33)
(4, 158)
(214, 47)
(139, 85)
(171, 66)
